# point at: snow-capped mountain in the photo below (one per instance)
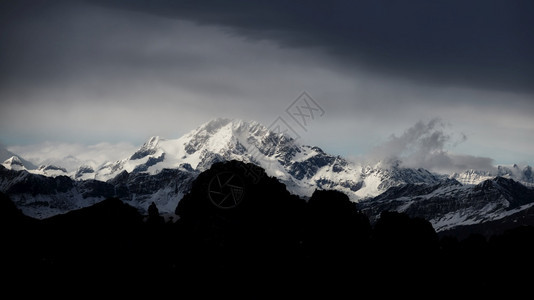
(51, 171)
(84, 172)
(14, 163)
(523, 175)
(162, 170)
(302, 168)
(6, 155)
(42, 196)
(449, 203)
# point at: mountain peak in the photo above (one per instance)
(148, 148)
(13, 160)
(50, 170)
(153, 141)
(14, 163)
(220, 134)
(236, 125)
(5, 155)
(214, 125)
(300, 167)
(162, 169)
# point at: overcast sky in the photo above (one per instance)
(436, 82)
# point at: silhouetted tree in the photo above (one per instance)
(337, 235)
(154, 217)
(405, 251)
(398, 232)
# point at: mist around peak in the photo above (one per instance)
(427, 145)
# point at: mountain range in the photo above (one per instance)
(161, 171)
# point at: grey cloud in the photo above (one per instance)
(424, 146)
(465, 162)
(95, 50)
(420, 139)
(91, 71)
(468, 43)
(92, 74)
(71, 156)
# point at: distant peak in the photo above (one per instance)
(86, 168)
(13, 160)
(45, 168)
(153, 141)
(148, 148)
(14, 163)
(215, 124)
(218, 123)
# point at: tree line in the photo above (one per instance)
(270, 241)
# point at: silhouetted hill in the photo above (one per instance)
(334, 227)
(239, 226)
(10, 214)
(111, 212)
(242, 219)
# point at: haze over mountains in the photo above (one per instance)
(161, 171)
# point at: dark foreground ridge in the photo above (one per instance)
(241, 230)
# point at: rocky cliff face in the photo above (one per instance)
(161, 171)
(449, 203)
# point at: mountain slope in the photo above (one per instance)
(523, 175)
(161, 171)
(302, 168)
(449, 204)
(6, 155)
(40, 196)
(14, 163)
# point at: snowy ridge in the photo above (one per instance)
(472, 177)
(162, 170)
(302, 168)
(449, 203)
(6, 155)
(523, 175)
(41, 196)
(14, 163)
(50, 171)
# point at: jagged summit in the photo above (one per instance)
(237, 125)
(301, 168)
(448, 203)
(520, 174)
(14, 163)
(51, 171)
(148, 148)
(84, 172)
(161, 171)
(13, 160)
(5, 155)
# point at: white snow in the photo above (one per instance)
(14, 163)
(245, 141)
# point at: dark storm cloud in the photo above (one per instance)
(97, 69)
(115, 71)
(480, 43)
